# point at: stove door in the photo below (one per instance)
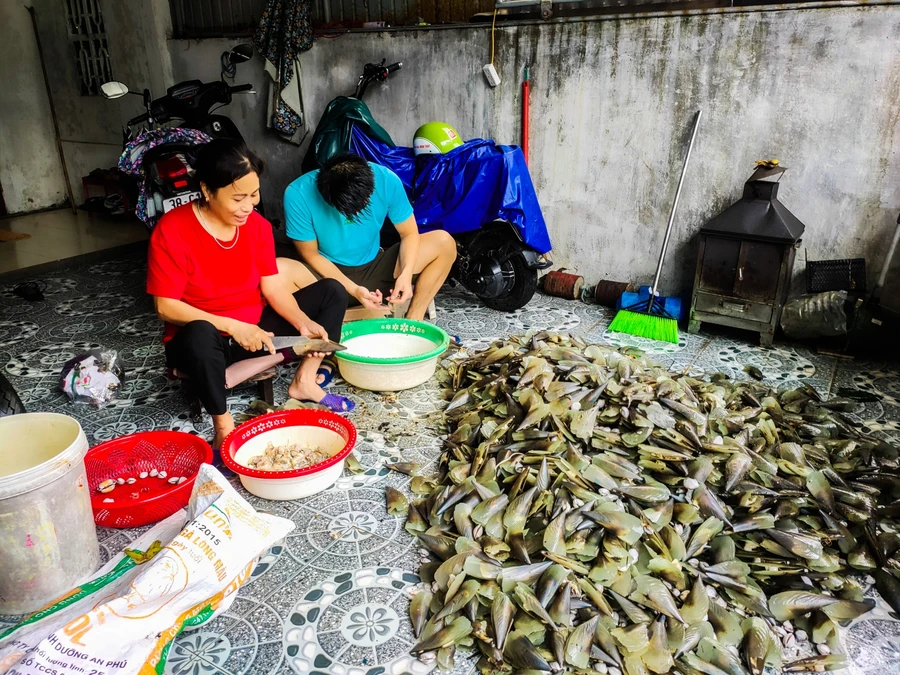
(758, 272)
(718, 273)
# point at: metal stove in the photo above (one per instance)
(745, 261)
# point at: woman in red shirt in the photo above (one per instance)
(216, 285)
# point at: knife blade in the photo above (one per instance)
(303, 345)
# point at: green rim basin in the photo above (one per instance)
(420, 329)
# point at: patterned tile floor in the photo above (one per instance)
(334, 596)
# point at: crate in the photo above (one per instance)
(836, 275)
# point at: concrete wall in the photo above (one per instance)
(138, 31)
(30, 173)
(91, 126)
(611, 106)
(200, 59)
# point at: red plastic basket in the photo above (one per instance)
(175, 452)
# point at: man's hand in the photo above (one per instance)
(402, 291)
(252, 338)
(311, 329)
(368, 299)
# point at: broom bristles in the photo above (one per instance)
(645, 325)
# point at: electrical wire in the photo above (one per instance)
(228, 68)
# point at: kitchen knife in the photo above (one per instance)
(303, 345)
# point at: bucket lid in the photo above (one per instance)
(36, 449)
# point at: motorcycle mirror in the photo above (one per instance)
(113, 89)
(240, 54)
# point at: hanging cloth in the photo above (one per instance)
(284, 32)
(132, 163)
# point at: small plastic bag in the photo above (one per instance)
(815, 316)
(93, 378)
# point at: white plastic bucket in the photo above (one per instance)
(48, 543)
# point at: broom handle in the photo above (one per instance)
(662, 253)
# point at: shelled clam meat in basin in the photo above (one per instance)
(287, 456)
(595, 513)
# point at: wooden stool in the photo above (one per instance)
(395, 311)
(361, 313)
(260, 370)
(399, 311)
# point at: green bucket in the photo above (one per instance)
(430, 332)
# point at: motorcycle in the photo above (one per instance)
(500, 234)
(162, 154)
(10, 403)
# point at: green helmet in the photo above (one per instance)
(435, 138)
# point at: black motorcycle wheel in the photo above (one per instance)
(10, 403)
(525, 281)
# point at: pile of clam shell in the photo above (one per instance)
(596, 513)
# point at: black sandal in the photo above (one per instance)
(326, 370)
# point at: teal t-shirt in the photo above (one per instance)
(343, 241)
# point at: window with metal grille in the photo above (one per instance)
(215, 18)
(88, 37)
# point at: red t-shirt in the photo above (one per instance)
(187, 264)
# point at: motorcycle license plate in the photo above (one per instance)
(180, 200)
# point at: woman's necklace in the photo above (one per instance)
(215, 238)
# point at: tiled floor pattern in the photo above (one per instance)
(334, 596)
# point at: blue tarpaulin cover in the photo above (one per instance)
(470, 186)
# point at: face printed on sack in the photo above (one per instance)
(147, 594)
(234, 203)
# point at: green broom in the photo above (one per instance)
(648, 318)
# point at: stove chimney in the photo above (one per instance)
(758, 214)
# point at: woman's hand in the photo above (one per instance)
(311, 329)
(368, 299)
(252, 338)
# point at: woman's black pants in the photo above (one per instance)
(202, 354)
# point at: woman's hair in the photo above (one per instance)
(223, 161)
(346, 182)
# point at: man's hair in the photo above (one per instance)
(346, 182)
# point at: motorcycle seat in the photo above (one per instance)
(153, 154)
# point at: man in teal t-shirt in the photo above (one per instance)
(334, 216)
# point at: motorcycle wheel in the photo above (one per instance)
(10, 403)
(525, 281)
